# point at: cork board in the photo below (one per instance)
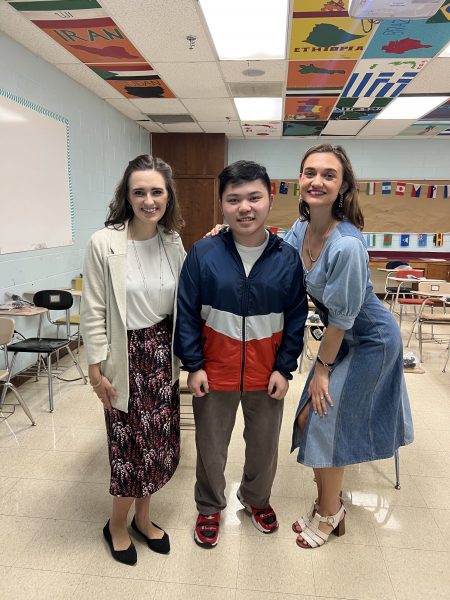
(394, 213)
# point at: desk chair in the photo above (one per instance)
(439, 292)
(51, 300)
(6, 334)
(404, 296)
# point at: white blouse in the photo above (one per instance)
(150, 283)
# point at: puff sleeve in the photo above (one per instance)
(346, 281)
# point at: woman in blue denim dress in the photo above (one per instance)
(354, 407)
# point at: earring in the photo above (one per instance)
(341, 201)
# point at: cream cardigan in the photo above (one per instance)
(103, 304)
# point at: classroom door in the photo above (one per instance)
(199, 206)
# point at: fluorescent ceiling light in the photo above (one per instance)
(445, 52)
(247, 29)
(259, 109)
(411, 107)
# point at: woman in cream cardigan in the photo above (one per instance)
(130, 281)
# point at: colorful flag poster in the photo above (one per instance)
(431, 193)
(318, 76)
(404, 240)
(415, 190)
(296, 189)
(446, 191)
(387, 239)
(422, 240)
(386, 187)
(273, 188)
(400, 189)
(284, 187)
(438, 239)
(371, 188)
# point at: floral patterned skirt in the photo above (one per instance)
(144, 444)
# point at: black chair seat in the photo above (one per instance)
(38, 345)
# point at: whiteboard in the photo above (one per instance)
(36, 201)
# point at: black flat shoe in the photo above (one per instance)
(161, 546)
(128, 556)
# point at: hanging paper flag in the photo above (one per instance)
(438, 239)
(371, 188)
(415, 190)
(273, 188)
(422, 240)
(284, 187)
(273, 229)
(431, 191)
(400, 189)
(371, 239)
(387, 239)
(296, 189)
(386, 187)
(446, 191)
(404, 240)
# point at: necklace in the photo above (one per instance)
(313, 260)
(144, 279)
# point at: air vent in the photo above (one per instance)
(256, 89)
(171, 119)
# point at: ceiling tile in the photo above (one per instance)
(89, 79)
(435, 77)
(193, 80)
(152, 127)
(385, 127)
(160, 106)
(125, 107)
(346, 127)
(230, 128)
(29, 35)
(274, 70)
(159, 28)
(212, 109)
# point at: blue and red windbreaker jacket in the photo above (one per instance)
(240, 329)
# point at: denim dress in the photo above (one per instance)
(370, 417)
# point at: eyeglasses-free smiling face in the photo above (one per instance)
(245, 207)
(148, 196)
(321, 180)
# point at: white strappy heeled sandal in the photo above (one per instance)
(313, 537)
(301, 522)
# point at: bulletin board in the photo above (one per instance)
(36, 197)
(394, 212)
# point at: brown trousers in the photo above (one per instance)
(215, 415)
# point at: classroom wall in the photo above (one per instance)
(412, 159)
(102, 141)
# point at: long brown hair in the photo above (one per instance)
(120, 209)
(350, 209)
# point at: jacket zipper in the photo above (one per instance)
(244, 312)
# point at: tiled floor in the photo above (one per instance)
(54, 503)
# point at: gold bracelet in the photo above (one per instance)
(97, 384)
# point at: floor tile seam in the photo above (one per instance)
(42, 570)
(205, 585)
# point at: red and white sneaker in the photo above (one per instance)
(206, 532)
(264, 519)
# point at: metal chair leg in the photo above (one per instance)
(50, 382)
(22, 403)
(83, 376)
(397, 470)
(448, 357)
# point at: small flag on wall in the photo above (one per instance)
(386, 187)
(273, 229)
(431, 191)
(371, 240)
(400, 189)
(296, 189)
(387, 239)
(422, 240)
(438, 239)
(446, 191)
(273, 188)
(371, 188)
(284, 187)
(415, 190)
(404, 240)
